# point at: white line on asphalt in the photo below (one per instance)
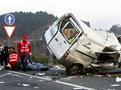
(48, 79)
(5, 74)
(57, 81)
(73, 85)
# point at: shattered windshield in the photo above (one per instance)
(68, 28)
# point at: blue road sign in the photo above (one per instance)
(9, 19)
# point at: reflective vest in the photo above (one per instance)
(25, 47)
(13, 57)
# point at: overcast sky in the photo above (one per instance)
(100, 13)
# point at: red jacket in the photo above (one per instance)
(24, 47)
(13, 59)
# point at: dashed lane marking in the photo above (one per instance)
(74, 85)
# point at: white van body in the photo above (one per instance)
(75, 45)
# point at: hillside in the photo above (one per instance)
(116, 29)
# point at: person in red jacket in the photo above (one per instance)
(13, 58)
(24, 51)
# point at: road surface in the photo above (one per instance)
(32, 80)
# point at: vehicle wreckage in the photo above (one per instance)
(77, 46)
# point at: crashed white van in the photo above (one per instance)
(76, 46)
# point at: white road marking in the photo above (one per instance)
(16, 75)
(26, 85)
(5, 74)
(2, 82)
(79, 89)
(73, 85)
(115, 85)
(57, 81)
(35, 87)
(30, 75)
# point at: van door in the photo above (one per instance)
(66, 35)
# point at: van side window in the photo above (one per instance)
(70, 32)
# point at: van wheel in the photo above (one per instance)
(74, 69)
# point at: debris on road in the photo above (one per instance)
(25, 85)
(118, 79)
(2, 68)
(2, 82)
(40, 74)
(56, 67)
(98, 75)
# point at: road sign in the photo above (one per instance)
(9, 30)
(9, 19)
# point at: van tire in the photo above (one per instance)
(74, 69)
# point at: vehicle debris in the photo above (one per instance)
(40, 74)
(113, 71)
(118, 79)
(2, 68)
(56, 67)
(26, 85)
(76, 46)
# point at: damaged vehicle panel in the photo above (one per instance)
(76, 46)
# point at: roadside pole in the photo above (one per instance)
(9, 26)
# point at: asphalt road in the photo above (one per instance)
(33, 80)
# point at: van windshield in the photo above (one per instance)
(69, 30)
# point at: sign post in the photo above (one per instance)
(9, 26)
(9, 19)
(9, 30)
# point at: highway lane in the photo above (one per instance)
(14, 80)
